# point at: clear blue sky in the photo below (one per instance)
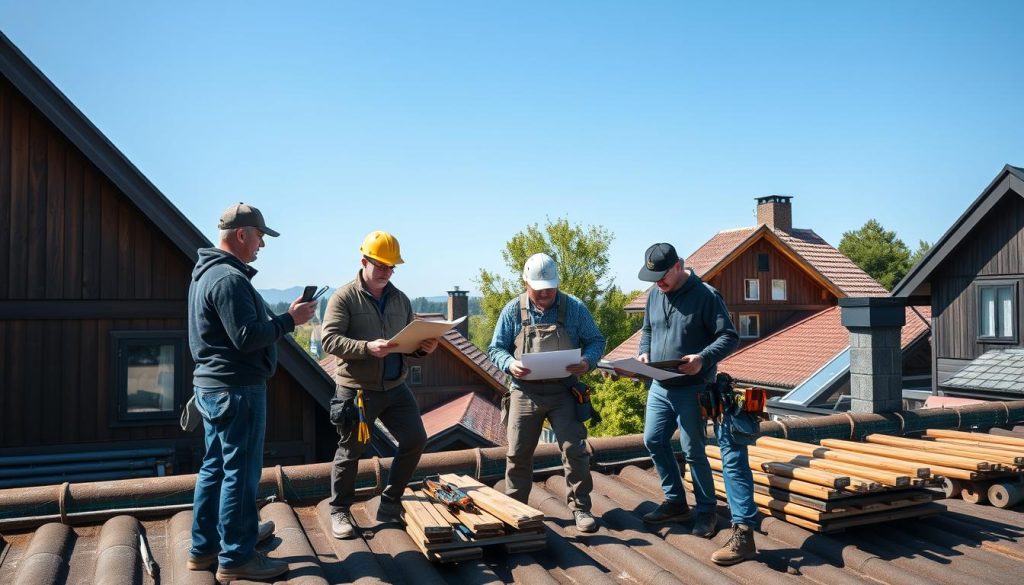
(456, 124)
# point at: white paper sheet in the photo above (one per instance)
(409, 338)
(637, 367)
(550, 364)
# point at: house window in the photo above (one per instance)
(762, 262)
(750, 325)
(415, 375)
(751, 289)
(148, 373)
(996, 312)
(778, 289)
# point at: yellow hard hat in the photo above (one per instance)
(382, 247)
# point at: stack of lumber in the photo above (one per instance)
(824, 489)
(451, 535)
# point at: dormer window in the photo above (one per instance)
(751, 289)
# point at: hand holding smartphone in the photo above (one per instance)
(310, 293)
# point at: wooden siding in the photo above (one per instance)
(445, 377)
(993, 251)
(803, 293)
(78, 260)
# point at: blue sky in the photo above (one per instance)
(456, 124)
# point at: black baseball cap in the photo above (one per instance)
(244, 215)
(658, 259)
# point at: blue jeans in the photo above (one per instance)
(669, 408)
(224, 508)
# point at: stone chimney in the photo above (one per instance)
(458, 306)
(776, 212)
(876, 358)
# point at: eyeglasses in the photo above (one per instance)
(379, 265)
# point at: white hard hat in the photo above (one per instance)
(541, 272)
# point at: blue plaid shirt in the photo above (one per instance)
(579, 324)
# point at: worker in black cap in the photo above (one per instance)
(687, 320)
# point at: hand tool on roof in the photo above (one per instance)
(448, 494)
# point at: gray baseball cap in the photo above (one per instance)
(244, 215)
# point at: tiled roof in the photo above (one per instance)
(998, 370)
(965, 544)
(627, 349)
(789, 356)
(836, 268)
(473, 412)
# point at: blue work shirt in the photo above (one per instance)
(579, 324)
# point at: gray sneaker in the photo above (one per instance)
(668, 512)
(585, 522)
(739, 548)
(259, 567)
(341, 524)
(705, 525)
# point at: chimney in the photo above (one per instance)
(458, 306)
(775, 211)
(876, 358)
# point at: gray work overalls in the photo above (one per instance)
(533, 401)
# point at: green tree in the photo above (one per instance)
(923, 248)
(582, 256)
(301, 335)
(878, 252)
(621, 402)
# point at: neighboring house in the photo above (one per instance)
(770, 275)
(807, 365)
(972, 279)
(95, 266)
(457, 388)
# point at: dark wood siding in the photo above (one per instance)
(993, 251)
(803, 293)
(445, 377)
(78, 260)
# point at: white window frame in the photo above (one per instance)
(746, 289)
(785, 294)
(757, 326)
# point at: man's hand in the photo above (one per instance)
(379, 347)
(643, 358)
(428, 345)
(302, 312)
(579, 369)
(691, 364)
(517, 369)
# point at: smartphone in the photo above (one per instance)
(308, 293)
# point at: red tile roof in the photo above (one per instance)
(627, 349)
(473, 412)
(833, 266)
(789, 356)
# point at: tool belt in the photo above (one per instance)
(581, 398)
(741, 409)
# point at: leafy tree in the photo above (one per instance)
(621, 402)
(878, 252)
(923, 248)
(301, 335)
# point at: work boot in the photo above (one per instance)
(705, 525)
(258, 568)
(740, 547)
(204, 562)
(668, 512)
(389, 511)
(341, 524)
(584, 521)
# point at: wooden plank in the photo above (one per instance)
(477, 523)
(56, 230)
(794, 485)
(6, 95)
(989, 455)
(420, 510)
(855, 472)
(861, 459)
(18, 252)
(125, 248)
(496, 503)
(92, 237)
(35, 278)
(787, 470)
(908, 455)
(73, 225)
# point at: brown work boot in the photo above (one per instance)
(740, 547)
(205, 562)
(258, 568)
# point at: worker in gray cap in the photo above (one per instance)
(539, 320)
(233, 339)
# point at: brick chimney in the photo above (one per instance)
(775, 211)
(458, 306)
(876, 358)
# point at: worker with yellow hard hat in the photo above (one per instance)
(361, 317)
